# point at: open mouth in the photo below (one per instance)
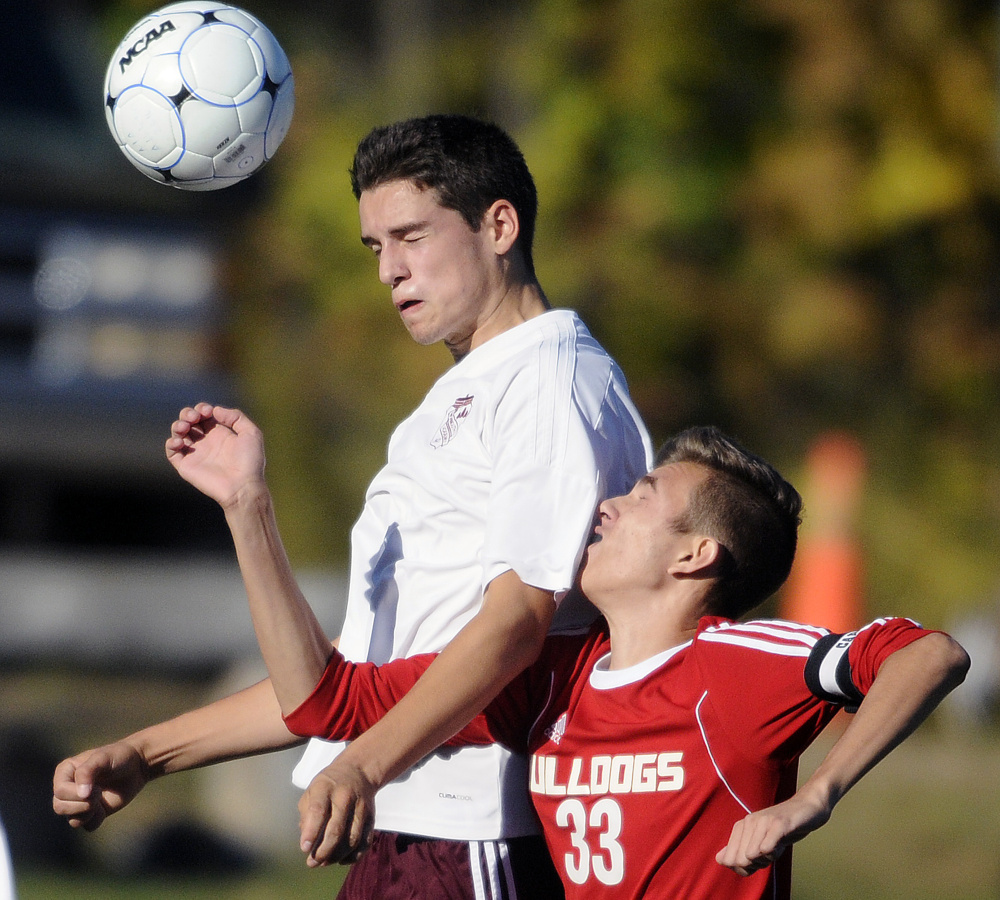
(407, 304)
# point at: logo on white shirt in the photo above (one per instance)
(453, 419)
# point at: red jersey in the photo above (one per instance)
(638, 775)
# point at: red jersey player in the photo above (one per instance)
(664, 742)
(639, 774)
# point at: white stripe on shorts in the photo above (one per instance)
(492, 878)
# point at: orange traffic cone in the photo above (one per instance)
(825, 584)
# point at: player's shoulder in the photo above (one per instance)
(547, 349)
(553, 360)
(561, 333)
(767, 636)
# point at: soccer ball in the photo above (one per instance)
(199, 95)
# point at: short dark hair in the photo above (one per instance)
(470, 163)
(747, 507)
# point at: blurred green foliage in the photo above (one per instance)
(781, 216)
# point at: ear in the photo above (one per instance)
(502, 224)
(697, 557)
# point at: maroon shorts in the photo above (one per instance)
(405, 867)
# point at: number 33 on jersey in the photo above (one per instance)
(595, 830)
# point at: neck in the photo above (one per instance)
(515, 304)
(640, 630)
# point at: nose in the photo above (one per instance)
(391, 267)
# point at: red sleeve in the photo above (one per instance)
(876, 643)
(351, 697)
(843, 667)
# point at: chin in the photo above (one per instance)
(421, 337)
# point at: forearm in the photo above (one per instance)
(501, 641)
(292, 642)
(909, 685)
(242, 724)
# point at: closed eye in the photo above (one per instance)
(644, 485)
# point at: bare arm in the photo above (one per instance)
(909, 685)
(501, 641)
(292, 642)
(92, 785)
(221, 453)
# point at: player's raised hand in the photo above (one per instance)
(89, 787)
(217, 450)
(336, 814)
(760, 838)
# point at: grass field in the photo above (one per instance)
(925, 825)
(279, 884)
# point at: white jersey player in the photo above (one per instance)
(469, 536)
(503, 464)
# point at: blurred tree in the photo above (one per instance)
(869, 237)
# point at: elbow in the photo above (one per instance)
(960, 664)
(951, 659)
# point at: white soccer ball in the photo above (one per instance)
(199, 95)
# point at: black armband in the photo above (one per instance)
(828, 671)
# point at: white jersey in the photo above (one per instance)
(500, 467)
